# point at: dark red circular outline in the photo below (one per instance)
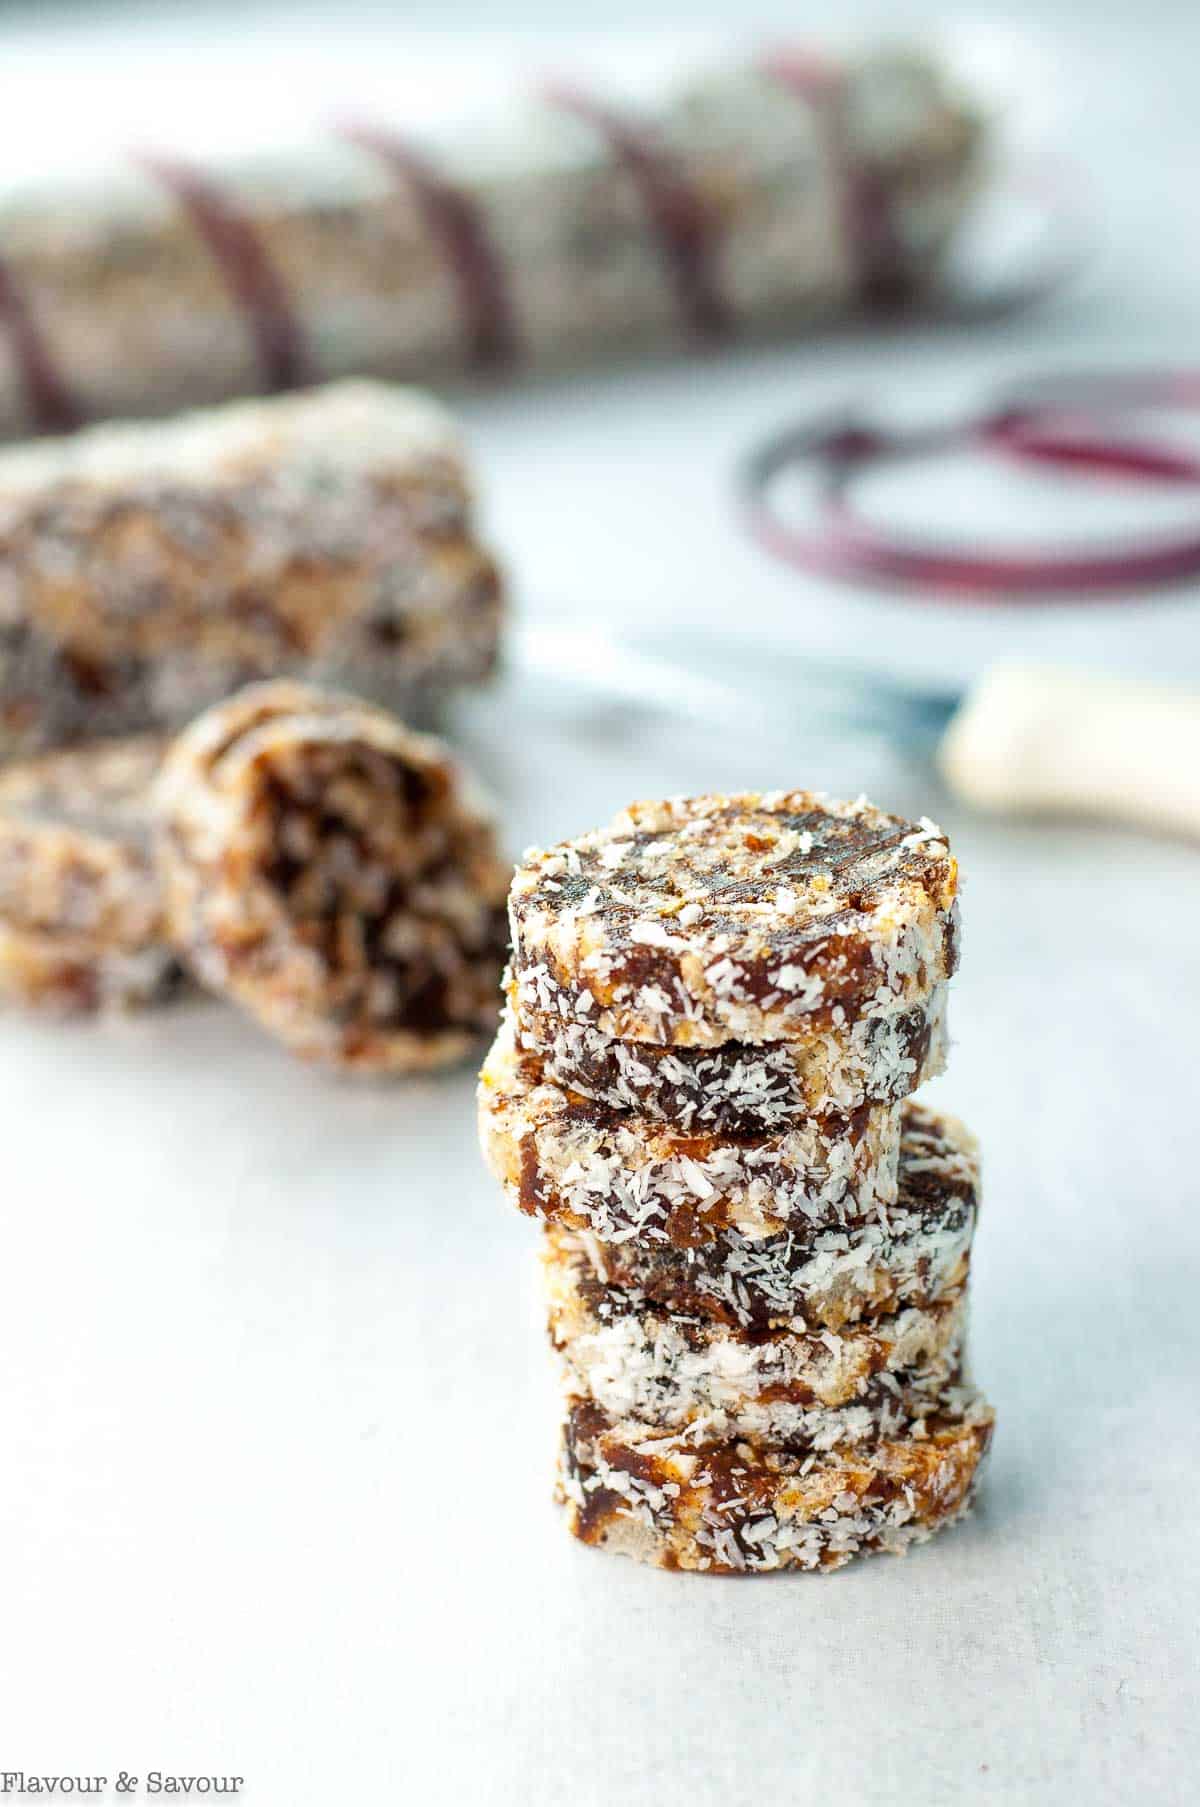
(1063, 423)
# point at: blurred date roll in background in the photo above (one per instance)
(82, 923)
(148, 570)
(785, 191)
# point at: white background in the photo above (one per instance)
(276, 1422)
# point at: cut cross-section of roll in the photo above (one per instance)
(332, 872)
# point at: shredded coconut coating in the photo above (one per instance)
(333, 873)
(148, 570)
(756, 1242)
(740, 1506)
(698, 921)
(82, 921)
(916, 1253)
(564, 1158)
(746, 1088)
(689, 1373)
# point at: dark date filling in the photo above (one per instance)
(707, 1279)
(698, 1144)
(842, 961)
(689, 1223)
(702, 1081)
(609, 1303)
(345, 878)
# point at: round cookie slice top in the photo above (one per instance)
(700, 920)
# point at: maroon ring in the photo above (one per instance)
(1031, 443)
(1028, 425)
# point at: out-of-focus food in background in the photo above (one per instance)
(82, 924)
(791, 189)
(148, 569)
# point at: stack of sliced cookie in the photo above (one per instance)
(756, 1244)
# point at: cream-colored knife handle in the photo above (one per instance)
(1036, 739)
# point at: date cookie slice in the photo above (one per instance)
(689, 1373)
(331, 872)
(702, 920)
(918, 1252)
(82, 922)
(742, 1506)
(746, 1088)
(567, 1159)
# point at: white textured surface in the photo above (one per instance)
(275, 1423)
